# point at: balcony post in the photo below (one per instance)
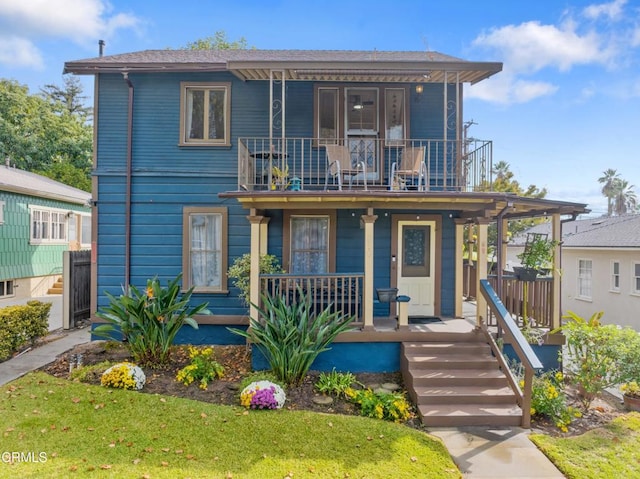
(367, 297)
(481, 268)
(556, 232)
(254, 278)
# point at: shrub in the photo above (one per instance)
(290, 336)
(262, 395)
(549, 399)
(123, 376)
(240, 270)
(388, 406)
(258, 376)
(22, 325)
(85, 374)
(149, 320)
(203, 367)
(335, 382)
(596, 354)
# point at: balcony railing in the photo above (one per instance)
(301, 163)
(342, 292)
(534, 296)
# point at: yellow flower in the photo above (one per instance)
(149, 292)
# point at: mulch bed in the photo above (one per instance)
(236, 361)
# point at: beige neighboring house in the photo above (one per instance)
(600, 267)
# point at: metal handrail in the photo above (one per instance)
(522, 348)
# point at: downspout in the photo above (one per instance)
(127, 212)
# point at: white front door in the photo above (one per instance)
(416, 265)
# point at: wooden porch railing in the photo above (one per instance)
(534, 296)
(450, 165)
(522, 348)
(341, 291)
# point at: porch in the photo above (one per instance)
(297, 164)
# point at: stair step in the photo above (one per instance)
(465, 395)
(451, 361)
(455, 415)
(447, 348)
(457, 377)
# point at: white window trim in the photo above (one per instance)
(634, 291)
(4, 288)
(612, 286)
(2, 212)
(50, 239)
(184, 87)
(579, 294)
(186, 248)
(84, 217)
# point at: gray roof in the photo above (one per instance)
(317, 65)
(602, 232)
(27, 183)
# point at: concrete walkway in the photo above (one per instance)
(480, 453)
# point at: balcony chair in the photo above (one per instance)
(410, 167)
(339, 165)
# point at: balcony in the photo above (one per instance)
(292, 164)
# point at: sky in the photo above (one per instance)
(564, 109)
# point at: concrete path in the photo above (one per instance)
(480, 453)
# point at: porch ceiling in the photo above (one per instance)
(470, 205)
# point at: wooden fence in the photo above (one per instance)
(76, 296)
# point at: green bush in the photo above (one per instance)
(388, 406)
(203, 367)
(90, 372)
(240, 270)
(22, 325)
(149, 320)
(335, 382)
(549, 399)
(291, 336)
(599, 356)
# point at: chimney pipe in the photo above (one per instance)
(101, 47)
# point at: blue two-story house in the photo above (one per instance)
(351, 167)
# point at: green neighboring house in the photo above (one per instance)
(39, 219)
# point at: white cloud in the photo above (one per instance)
(19, 52)
(530, 47)
(612, 10)
(81, 21)
(507, 89)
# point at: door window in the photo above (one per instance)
(415, 251)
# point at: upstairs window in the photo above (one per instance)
(206, 116)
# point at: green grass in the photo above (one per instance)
(91, 431)
(610, 451)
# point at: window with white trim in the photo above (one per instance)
(309, 244)
(48, 225)
(615, 276)
(205, 114)
(585, 272)
(1, 212)
(204, 259)
(635, 286)
(6, 288)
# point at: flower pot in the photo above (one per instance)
(632, 403)
(525, 274)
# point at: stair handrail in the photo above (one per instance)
(521, 346)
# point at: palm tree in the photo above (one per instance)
(501, 169)
(608, 187)
(625, 199)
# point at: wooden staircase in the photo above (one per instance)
(57, 286)
(458, 383)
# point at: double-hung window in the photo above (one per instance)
(635, 278)
(206, 114)
(205, 249)
(585, 272)
(615, 276)
(310, 245)
(48, 225)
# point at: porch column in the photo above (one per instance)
(556, 232)
(254, 278)
(367, 297)
(481, 268)
(264, 229)
(459, 266)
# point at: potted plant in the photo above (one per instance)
(280, 178)
(537, 255)
(631, 395)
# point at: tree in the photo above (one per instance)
(625, 199)
(35, 133)
(70, 97)
(608, 181)
(217, 42)
(66, 173)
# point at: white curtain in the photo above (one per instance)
(309, 245)
(205, 250)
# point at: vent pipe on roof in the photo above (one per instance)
(101, 47)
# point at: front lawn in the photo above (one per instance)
(56, 428)
(609, 451)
